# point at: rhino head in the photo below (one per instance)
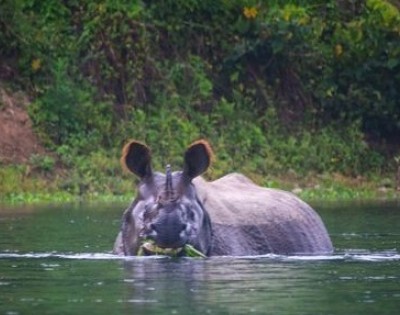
(166, 210)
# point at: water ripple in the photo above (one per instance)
(367, 257)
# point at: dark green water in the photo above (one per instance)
(56, 260)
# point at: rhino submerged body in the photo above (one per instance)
(228, 216)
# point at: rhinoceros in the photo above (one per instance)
(229, 216)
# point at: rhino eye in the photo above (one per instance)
(150, 212)
(190, 214)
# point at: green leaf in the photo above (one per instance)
(392, 63)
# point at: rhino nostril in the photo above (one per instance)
(153, 227)
(151, 232)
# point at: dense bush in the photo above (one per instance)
(275, 85)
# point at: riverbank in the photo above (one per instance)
(84, 170)
(293, 96)
(22, 184)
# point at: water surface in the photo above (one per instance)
(57, 260)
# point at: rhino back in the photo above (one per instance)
(251, 220)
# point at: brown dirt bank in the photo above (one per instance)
(17, 139)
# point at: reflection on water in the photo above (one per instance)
(57, 260)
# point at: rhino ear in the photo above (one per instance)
(198, 157)
(136, 157)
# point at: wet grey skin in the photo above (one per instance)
(229, 216)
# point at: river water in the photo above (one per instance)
(57, 260)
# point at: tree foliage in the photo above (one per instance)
(274, 84)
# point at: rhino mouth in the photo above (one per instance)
(149, 248)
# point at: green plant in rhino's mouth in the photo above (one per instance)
(148, 247)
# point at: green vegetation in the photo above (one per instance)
(148, 247)
(304, 90)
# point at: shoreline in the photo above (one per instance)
(39, 188)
